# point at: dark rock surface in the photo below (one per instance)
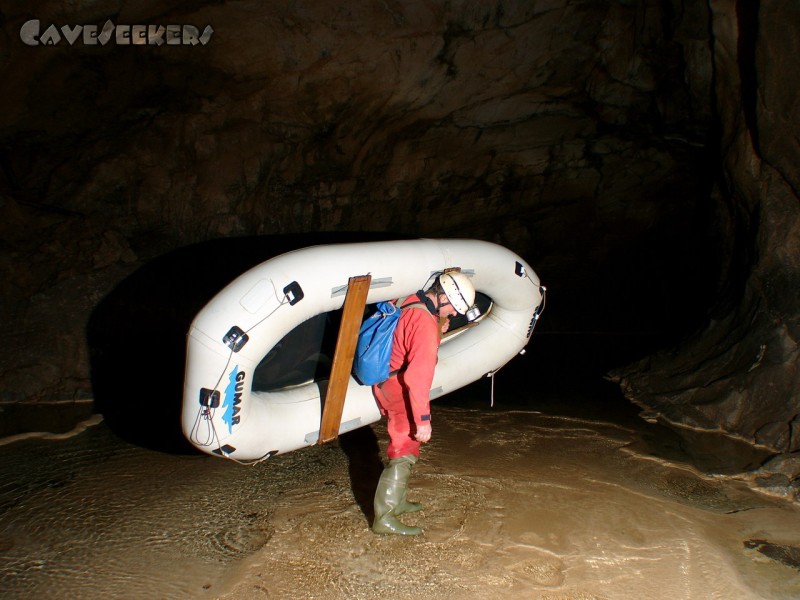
(740, 372)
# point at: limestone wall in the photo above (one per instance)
(740, 373)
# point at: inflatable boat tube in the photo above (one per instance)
(222, 415)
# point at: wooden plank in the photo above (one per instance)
(352, 314)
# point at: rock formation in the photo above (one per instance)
(740, 372)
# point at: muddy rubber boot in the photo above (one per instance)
(392, 488)
(406, 506)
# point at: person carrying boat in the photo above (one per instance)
(404, 398)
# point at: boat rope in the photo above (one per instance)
(206, 413)
(491, 397)
(536, 314)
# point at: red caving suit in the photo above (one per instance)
(404, 398)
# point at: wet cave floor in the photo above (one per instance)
(555, 492)
(560, 490)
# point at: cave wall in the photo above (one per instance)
(586, 135)
(503, 120)
(740, 373)
(574, 132)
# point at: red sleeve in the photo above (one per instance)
(415, 349)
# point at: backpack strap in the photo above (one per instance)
(397, 304)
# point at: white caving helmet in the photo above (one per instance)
(461, 293)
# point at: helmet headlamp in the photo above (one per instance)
(473, 313)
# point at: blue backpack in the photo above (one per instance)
(374, 346)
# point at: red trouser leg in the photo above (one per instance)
(395, 407)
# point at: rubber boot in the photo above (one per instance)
(391, 491)
(406, 506)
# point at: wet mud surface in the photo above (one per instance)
(517, 503)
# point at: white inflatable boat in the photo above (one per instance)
(222, 415)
